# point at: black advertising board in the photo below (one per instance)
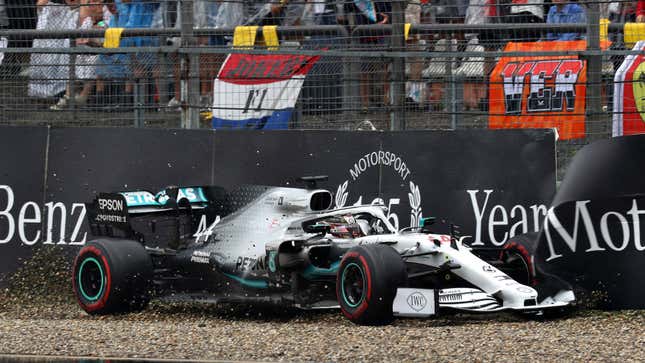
(606, 168)
(594, 235)
(22, 178)
(459, 177)
(280, 157)
(491, 184)
(488, 182)
(91, 160)
(87, 161)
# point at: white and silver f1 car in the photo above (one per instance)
(288, 246)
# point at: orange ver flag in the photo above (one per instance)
(540, 91)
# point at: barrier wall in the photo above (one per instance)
(594, 236)
(492, 183)
(23, 153)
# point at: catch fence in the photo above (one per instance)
(415, 65)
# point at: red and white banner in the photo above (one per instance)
(258, 91)
(629, 95)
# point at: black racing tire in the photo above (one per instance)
(366, 283)
(517, 255)
(112, 276)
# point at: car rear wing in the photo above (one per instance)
(143, 201)
(129, 214)
(108, 216)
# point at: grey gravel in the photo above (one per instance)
(225, 332)
(39, 316)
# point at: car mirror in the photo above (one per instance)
(426, 222)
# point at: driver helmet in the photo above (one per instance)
(349, 228)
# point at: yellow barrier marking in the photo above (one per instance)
(206, 115)
(407, 30)
(633, 33)
(270, 34)
(244, 36)
(604, 29)
(112, 37)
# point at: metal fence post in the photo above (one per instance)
(71, 82)
(139, 102)
(352, 78)
(450, 100)
(189, 69)
(349, 86)
(457, 99)
(397, 115)
(596, 129)
(164, 68)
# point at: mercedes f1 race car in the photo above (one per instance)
(289, 246)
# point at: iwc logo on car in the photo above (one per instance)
(417, 301)
(394, 163)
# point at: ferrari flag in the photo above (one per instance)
(629, 95)
(540, 91)
(258, 91)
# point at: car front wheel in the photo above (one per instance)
(367, 281)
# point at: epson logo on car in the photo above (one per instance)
(111, 204)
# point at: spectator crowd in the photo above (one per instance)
(95, 72)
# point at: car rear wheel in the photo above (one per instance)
(366, 283)
(112, 276)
